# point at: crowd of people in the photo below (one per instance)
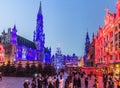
(58, 81)
(109, 81)
(73, 80)
(45, 82)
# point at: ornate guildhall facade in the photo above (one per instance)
(107, 42)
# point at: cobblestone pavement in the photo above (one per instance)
(17, 82)
(12, 82)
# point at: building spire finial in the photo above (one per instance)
(40, 8)
(107, 10)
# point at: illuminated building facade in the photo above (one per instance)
(107, 42)
(80, 62)
(60, 60)
(18, 48)
(2, 54)
(71, 60)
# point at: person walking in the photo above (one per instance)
(86, 82)
(61, 82)
(96, 84)
(33, 84)
(67, 82)
(54, 82)
(39, 80)
(49, 81)
(0, 75)
(70, 84)
(110, 83)
(57, 82)
(118, 83)
(79, 82)
(104, 80)
(45, 83)
(50, 85)
(75, 81)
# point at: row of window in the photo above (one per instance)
(117, 27)
(111, 58)
(117, 36)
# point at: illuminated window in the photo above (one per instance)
(119, 44)
(107, 38)
(101, 60)
(116, 57)
(110, 57)
(119, 25)
(116, 29)
(119, 56)
(119, 12)
(119, 35)
(104, 58)
(116, 47)
(111, 34)
(111, 43)
(23, 53)
(115, 37)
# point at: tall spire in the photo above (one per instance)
(107, 10)
(87, 38)
(40, 9)
(38, 34)
(87, 44)
(14, 35)
(39, 25)
(14, 28)
(39, 15)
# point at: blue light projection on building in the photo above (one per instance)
(19, 48)
(39, 36)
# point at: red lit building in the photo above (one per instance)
(107, 42)
(2, 54)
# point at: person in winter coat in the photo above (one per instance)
(33, 84)
(61, 82)
(79, 82)
(26, 84)
(86, 82)
(39, 80)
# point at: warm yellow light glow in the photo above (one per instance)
(117, 65)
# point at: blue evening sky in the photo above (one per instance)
(65, 21)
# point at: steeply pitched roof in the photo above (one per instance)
(25, 42)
